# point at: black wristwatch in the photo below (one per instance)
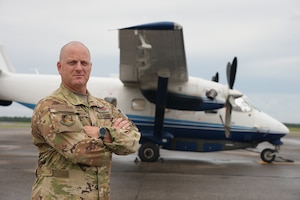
(102, 133)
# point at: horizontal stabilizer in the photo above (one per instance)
(148, 49)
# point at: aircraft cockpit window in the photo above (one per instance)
(138, 104)
(242, 105)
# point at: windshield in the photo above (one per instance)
(242, 104)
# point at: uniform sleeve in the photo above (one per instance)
(60, 128)
(125, 141)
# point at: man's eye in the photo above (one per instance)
(84, 63)
(72, 63)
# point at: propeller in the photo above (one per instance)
(231, 73)
(161, 100)
(215, 78)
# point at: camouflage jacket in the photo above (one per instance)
(71, 164)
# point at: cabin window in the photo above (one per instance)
(138, 104)
(111, 100)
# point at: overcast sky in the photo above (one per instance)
(264, 35)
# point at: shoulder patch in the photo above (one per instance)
(67, 120)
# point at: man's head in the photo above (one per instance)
(74, 66)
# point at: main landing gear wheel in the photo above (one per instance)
(268, 155)
(149, 152)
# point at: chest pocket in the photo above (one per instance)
(103, 116)
(65, 119)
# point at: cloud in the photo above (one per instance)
(264, 35)
(284, 107)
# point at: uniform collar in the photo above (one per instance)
(75, 99)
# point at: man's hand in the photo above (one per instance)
(91, 131)
(121, 123)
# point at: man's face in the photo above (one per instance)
(75, 67)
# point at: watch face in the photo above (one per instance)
(102, 132)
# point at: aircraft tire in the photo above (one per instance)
(267, 155)
(149, 152)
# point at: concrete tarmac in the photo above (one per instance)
(233, 175)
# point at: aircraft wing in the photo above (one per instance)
(153, 49)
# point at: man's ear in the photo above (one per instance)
(58, 64)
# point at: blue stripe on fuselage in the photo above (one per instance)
(204, 130)
(200, 130)
(28, 105)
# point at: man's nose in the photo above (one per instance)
(78, 66)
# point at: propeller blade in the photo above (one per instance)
(215, 78)
(229, 103)
(161, 98)
(231, 72)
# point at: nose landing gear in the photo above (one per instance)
(269, 155)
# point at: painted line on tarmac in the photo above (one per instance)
(279, 163)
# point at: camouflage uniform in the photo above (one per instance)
(71, 164)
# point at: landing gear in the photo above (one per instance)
(269, 155)
(149, 152)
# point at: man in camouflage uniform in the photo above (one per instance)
(74, 162)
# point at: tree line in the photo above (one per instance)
(15, 119)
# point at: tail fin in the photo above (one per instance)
(5, 64)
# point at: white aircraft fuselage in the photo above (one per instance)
(248, 124)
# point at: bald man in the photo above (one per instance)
(76, 134)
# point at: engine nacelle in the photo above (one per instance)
(5, 103)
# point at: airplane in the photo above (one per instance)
(172, 110)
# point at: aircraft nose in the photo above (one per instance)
(272, 128)
(283, 128)
(277, 127)
(270, 124)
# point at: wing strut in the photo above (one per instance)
(161, 100)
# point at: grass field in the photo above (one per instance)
(294, 130)
(14, 125)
